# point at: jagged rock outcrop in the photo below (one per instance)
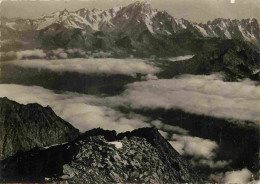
(23, 127)
(100, 156)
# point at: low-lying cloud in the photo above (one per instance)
(203, 150)
(240, 177)
(212, 164)
(194, 146)
(83, 111)
(100, 66)
(24, 54)
(30, 53)
(168, 128)
(59, 53)
(199, 94)
(149, 77)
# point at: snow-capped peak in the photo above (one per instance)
(141, 14)
(135, 14)
(116, 9)
(145, 2)
(64, 12)
(143, 6)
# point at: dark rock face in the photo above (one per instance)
(23, 127)
(236, 59)
(99, 156)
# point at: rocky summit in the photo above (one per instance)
(100, 156)
(23, 127)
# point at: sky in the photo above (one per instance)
(192, 10)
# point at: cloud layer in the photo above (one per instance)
(104, 66)
(207, 95)
(86, 112)
(83, 111)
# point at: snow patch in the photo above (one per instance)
(149, 23)
(118, 145)
(181, 58)
(256, 71)
(167, 32)
(243, 33)
(10, 25)
(55, 145)
(223, 24)
(180, 22)
(125, 16)
(116, 9)
(227, 34)
(202, 30)
(215, 34)
(183, 26)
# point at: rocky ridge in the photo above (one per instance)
(100, 156)
(23, 127)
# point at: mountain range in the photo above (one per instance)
(136, 26)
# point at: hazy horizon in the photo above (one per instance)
(196, 11)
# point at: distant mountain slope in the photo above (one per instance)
(236, 59)
(100, 156)
(23, 127)
(136, 26)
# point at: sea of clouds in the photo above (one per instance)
(198, 94)
(86, 112)
(83, 111)
(208, 95)
(92, 66)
